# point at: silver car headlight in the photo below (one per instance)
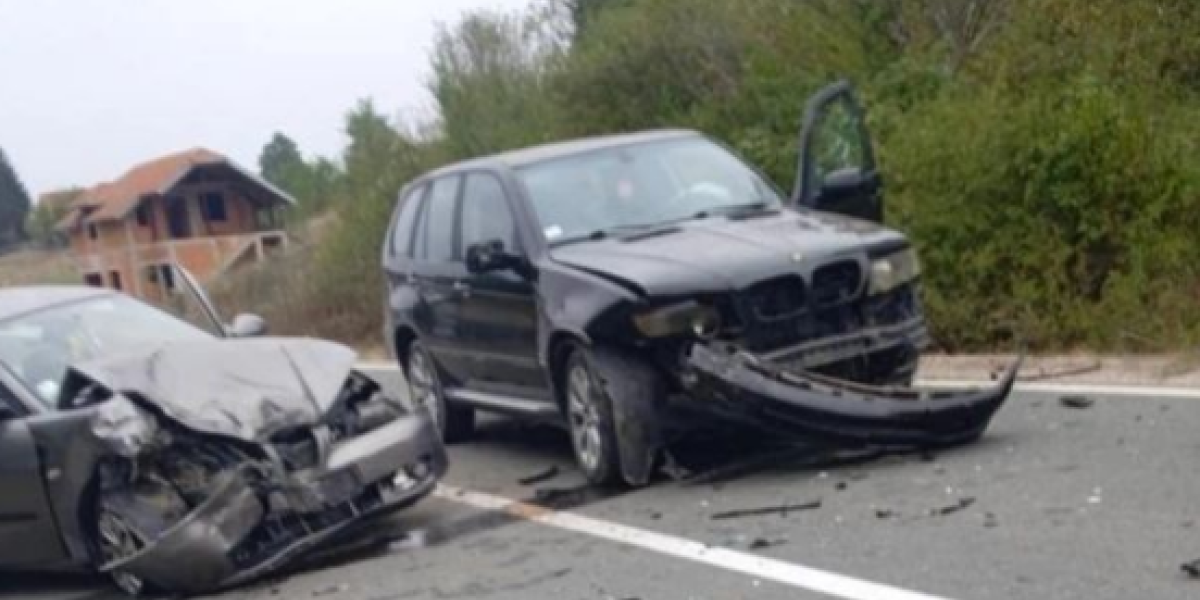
(893, 271)
(123, 428)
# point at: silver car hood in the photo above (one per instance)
(247, 389)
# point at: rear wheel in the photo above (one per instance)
(589, 415)
(455, 422)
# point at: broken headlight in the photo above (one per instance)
(123, 428)
(682, 318)
(893, 271)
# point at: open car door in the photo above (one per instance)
(196, 307)
(836, 170)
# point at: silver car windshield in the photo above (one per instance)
(640, 185)
(39, 347)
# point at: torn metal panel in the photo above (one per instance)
(743, 386)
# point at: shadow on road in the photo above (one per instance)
(58, 586)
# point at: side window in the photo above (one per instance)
(402, 232)
(435, 243)
(839, 142)
(485, 214)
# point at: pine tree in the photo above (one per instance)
(14, 204)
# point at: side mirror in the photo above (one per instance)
(852, 192)
(487, 257)
(245, 326)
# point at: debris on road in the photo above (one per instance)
(1077, 402)
(782, 510)
(963, 503)
(330, 590)
(764, 543)
(1192, 569)
(540, 477)
(990, 521)
(884, 513)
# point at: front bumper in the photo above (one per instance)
(241, 532)
(758, 391)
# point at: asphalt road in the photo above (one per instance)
(1054, 503)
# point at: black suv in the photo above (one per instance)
(605, 282)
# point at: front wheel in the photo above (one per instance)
(456, 423)
(118, 538)
(589, 413)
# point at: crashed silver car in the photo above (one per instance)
(172, 459)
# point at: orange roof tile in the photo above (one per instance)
(116, 199)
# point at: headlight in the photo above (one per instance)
(123, 428)
(893, 271)
(685, 317)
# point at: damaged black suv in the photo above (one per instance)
(604, 283)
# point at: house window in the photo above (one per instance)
(168, 277)
(143, 215)
(214, 207)
(115, 278)
(92, 233)
(94, 280)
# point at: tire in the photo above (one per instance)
(455, 422)
(589, 413)
(119, 537)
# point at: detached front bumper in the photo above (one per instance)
(748, 388)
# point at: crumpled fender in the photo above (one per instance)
(636, 392)
(192, 556)
(738, 385)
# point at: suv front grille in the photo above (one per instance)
(836, 284)
(776, 299)
(776, 315)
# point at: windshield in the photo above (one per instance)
(39, 347)
(640, 185)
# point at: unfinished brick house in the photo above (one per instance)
(195, 208)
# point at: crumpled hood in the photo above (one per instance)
(720, 254)
(247, 389)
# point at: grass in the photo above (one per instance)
(37, 267)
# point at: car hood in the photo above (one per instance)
(247, 389)
(725, 254)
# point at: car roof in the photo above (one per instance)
(536, 154)
(18, 301)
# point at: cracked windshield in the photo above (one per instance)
(599, 299)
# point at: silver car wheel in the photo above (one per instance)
(584, 418)
(423, 386)
(119, 540)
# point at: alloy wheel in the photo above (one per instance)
(586, 434)
(118, 540)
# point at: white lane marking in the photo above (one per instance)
(767, 569)
(1135, 391)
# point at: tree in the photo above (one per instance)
(490, 79)
(14, 204)
(312, 184)
(280, 160)
(50, 209)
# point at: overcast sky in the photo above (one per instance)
(89, 87)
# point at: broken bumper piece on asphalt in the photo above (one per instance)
(741, 386)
